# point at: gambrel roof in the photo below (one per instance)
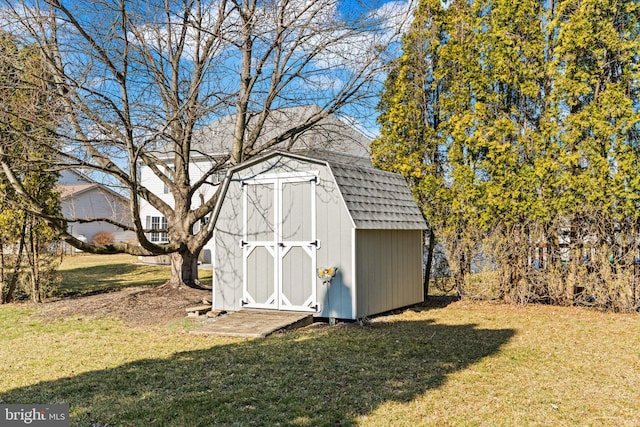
(375, 199)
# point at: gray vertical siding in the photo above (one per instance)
(296, 215)
(296, 269)
(227, 260)
(260, 210)
(333, 230)
(260, 275)
(387, 264)
(336, 247)
(389, 270)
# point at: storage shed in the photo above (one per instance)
(282, 217)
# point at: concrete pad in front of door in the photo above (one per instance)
(253, 323)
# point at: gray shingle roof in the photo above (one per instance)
(377, 199)
(331, 134)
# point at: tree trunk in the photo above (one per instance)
(35, 268)
(8, 297)
(2, 261)
(459, 276)
(427, 272)
(184, 269)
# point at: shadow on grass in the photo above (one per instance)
(90, 280)
(437, 301)
(318, 376)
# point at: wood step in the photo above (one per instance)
(198, 310)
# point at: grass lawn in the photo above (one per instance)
(464, 364)
(84, 274)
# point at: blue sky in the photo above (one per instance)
(355, 6)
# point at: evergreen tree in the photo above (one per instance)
(536, 141)
(411, 142)
(28, 257)
(596, 95)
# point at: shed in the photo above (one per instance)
(282, 217)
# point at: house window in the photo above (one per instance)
(157, 223)
(217, 177)
(170, 173)
(200, 224)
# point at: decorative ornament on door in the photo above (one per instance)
(327, 274)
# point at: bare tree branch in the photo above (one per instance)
(137, 82)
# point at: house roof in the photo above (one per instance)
(74, 190)
(375, 199)
(331, 136)
(73, 177)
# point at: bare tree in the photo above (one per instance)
(135, 81)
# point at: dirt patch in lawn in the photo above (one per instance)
(134, 306)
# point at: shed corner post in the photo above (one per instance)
(354, 273)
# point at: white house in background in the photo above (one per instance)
(331, 139)
(83, 198)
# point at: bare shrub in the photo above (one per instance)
(482, 285)
(103, 238)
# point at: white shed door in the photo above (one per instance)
(279, 242)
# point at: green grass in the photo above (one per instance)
(85, 274)
(464, 364)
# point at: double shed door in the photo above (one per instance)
(279, 242)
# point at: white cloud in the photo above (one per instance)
(362, 41)
(323, 82)
(159, 35)
(371, 130)
(397, 14)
